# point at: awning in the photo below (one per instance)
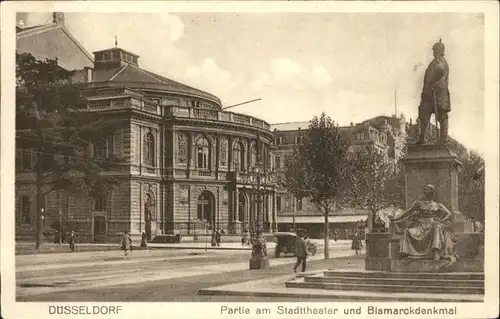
(321, 219)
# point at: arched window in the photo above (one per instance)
(202, 153)
(149, 149)
(253, 155)
(239, 156)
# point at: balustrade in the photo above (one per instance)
(178, 111)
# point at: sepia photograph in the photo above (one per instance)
(323, 162)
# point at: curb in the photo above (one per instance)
(200, 248)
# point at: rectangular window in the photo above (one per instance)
(27, 159)
(278, 140)
(25, 210)
(111, 144)
(299, 139)
(277, 161)
(298, 204)
(278, 203)
(99, 203)
(100, 149)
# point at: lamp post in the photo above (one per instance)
(258, 176)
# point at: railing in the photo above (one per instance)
(224, 116)
(199, 228)
(177, 111)
(205, 114)
(205, 173)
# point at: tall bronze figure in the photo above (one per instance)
(435, 98)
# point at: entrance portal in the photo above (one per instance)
(206, 208)
(148, 216)
(99, 229)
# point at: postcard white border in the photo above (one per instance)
(12, 309)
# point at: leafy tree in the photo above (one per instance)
(371, 182)
(471, 187)
(318, 169)
(52, 124)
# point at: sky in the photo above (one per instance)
(348, 65)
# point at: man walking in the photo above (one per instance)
(126, 243)
(72, 240)
(300, 253)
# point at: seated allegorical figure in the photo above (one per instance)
(427, 235)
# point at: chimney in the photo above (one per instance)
(58, 18)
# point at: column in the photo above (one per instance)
(275, 215)
(229, 153)
(236, 206)
(217, 155)
(189, 151)
(238, 224)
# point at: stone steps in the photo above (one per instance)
(398, 281)
(387, 288)
(399, 275)
(385, 282)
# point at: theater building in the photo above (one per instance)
(189, 166)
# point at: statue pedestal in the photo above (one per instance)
(428, 164)
(260, 262)
(235, 227)
(434, 164)
(382, 254)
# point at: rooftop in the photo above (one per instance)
(290, 126)
(132, 74)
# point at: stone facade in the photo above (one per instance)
(385, 134)
(186, 163)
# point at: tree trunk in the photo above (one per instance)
(326, 237)
(39, 183)
(370, 221)
(39, 195)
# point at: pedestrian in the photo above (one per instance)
(143, 240)
(57, 236)
(218, 236)
(301, 253)
(126, 243)
(72, 240)
(335, 237)
(356, 242)
(213, 240)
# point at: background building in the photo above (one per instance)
(385, 134)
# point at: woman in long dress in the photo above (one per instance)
(427, 235)
(126, 243)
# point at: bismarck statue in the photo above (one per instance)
(435, 98)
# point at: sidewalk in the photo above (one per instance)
(55, 249)
(152, 275)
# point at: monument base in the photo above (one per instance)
(383, 254)
(434, 164)
(259, 263)
(432, 266)
(235, 227)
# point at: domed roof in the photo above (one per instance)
(130, 74)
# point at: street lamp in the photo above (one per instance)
(258, 176)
